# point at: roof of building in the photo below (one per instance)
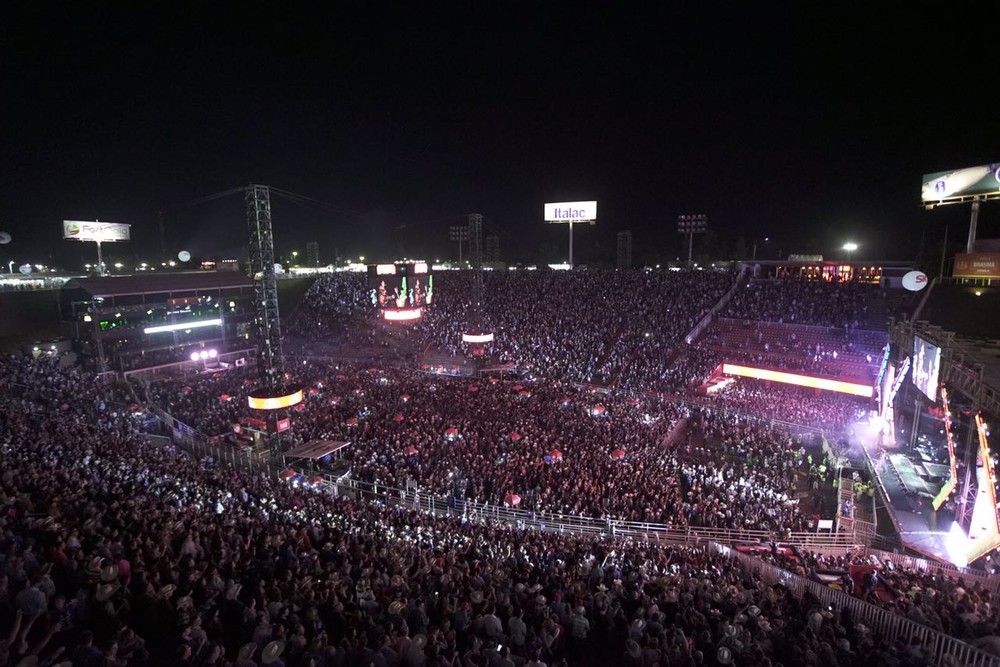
(316, 449)
(159, 283)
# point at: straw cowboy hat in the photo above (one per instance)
(395, 607)
(271, 652)
(246, 652)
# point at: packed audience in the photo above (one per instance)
(814, 302)
(559, 449)
(119, 552)
(578, 327)
(938, 599)
(115, 550)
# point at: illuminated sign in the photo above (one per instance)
(274, 402)
(477, 338)
(404, 315)
(420, 267)
(984, 531)
(573, 211)
(898, 381)
(947, 187)
(915, 281)
(80, 230)
(181, 326)
(283, 424)
(798, 380)
(977, 265)
(952, 482)
(385, 269)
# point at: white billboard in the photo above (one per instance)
(80, 230)
(572, 211)
(945, 187)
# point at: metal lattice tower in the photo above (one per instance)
(476, 260)
(270, 361)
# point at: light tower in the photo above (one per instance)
(459, 233)
(270, 361)
(691, 225)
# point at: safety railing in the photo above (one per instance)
(882, 622)
(969, 576)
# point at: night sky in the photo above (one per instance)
(811, 127)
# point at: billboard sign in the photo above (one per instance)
(572, 211)
(80, 230)
(946, 187)
(977, 265)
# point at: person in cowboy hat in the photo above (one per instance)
(271, 655)
(245, 656)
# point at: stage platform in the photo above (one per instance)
(909, 487)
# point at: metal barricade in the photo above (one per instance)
(886, 624)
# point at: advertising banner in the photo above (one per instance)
(79, 230)
(573, 211)
(977, 265)
(945, 187)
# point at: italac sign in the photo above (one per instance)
(574, 211)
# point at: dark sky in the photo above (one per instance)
(809, 126)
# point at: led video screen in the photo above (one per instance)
(400, 285)
(926, 367)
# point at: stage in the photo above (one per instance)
(908, 486)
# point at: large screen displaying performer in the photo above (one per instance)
(926, 367)
(400, 285)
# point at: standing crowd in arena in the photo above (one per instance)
(118, 549)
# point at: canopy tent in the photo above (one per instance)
(410, 451)
(618, 454)
(512, 499)
(316, 449)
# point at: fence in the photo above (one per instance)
(969, 576)
(882, 622)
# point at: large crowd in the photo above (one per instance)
(559, 449)
(119, 550)
(930, 597)
(588, 327)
